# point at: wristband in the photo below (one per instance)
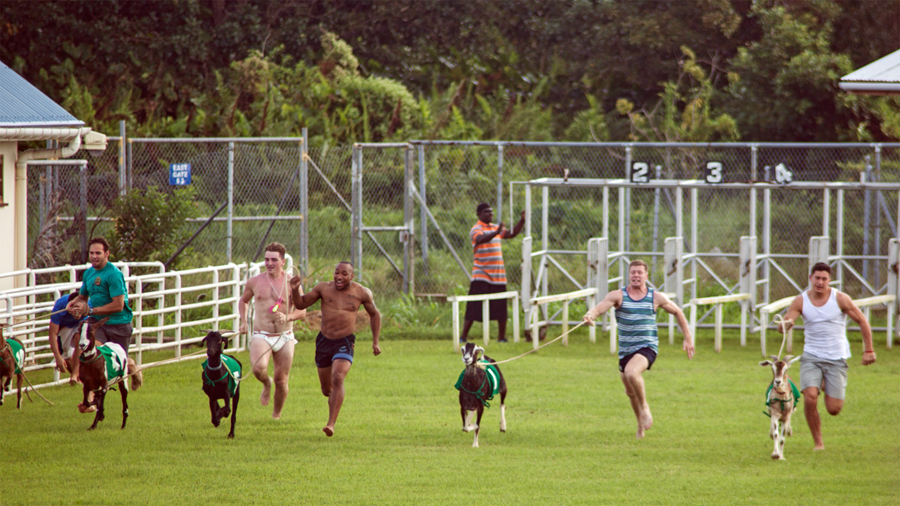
(868, 351)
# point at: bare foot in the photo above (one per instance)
(820, 446)
(73, 380)
(264, 397)
(640, 432)
(328, 430)
(276, 417)
(646, 420)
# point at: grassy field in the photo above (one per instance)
(570, 436)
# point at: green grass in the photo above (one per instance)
(570, 436)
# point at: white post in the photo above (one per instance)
(486, 320)
(565, 325)
(526, 278)
(456, 326)
(516, 318)
(178, 315)
(893, 287)
(747, 281)
(718, 327)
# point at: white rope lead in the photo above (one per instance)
(482, 365)
(779, 320)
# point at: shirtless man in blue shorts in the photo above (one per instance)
(341, 299)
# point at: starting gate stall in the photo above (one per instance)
(759, 264)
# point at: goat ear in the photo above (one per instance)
(765, 363)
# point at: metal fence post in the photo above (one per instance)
(123, 175)
(499, 207)
(304, 204)
(409, 252)
(423, 216)
(625, 239)
(656, 216)
(84, 216)
(356, 210)
(866, 177)
(230, 219)
(876, 177)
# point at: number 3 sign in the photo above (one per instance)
(713, 173)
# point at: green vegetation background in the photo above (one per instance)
(659, 70)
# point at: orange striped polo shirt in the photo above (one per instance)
(488, 264)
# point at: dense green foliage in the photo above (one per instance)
(570, 436)
(354, 70)
(149, 225)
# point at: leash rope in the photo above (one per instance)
(779, 320)
(483, 365)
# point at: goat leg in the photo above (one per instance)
(124, 392)
(234, 404)
(478, 425)
(226, 409)
(19, 379)
(214, 410)
(98, 399)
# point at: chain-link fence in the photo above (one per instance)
(279, 190)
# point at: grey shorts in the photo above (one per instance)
(119, 334)
(829, 376)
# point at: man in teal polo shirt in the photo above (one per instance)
(104, 286)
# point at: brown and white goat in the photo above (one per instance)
(781, 402)
(12, 363)
(100, 366)
(476, 388)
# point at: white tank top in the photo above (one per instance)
(826, 329)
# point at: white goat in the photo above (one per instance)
(781, 402)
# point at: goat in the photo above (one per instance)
(221, 382)
(12, 363)
(100, 366)
(477, 384)
(781, 402)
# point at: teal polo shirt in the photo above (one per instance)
(101, 286)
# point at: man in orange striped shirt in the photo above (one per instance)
(488, 272)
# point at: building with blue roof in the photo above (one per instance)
(27, 114)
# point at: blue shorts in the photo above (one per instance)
(329, 350)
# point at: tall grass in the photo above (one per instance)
(570, 438)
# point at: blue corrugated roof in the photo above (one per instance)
(23, 105)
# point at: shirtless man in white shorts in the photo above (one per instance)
(273, 333)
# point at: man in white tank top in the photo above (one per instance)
(823, 364)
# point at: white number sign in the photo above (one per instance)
(713, 173)
(640, 172)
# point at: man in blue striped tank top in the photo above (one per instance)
(636, 306)
(823, 364)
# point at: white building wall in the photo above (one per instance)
(8, 152)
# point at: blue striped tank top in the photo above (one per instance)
(637, 324)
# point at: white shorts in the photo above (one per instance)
(66, 344)
(276, 341)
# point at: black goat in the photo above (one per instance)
(101, 366)
(12, 363)
(477, 385)
(221, 380)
